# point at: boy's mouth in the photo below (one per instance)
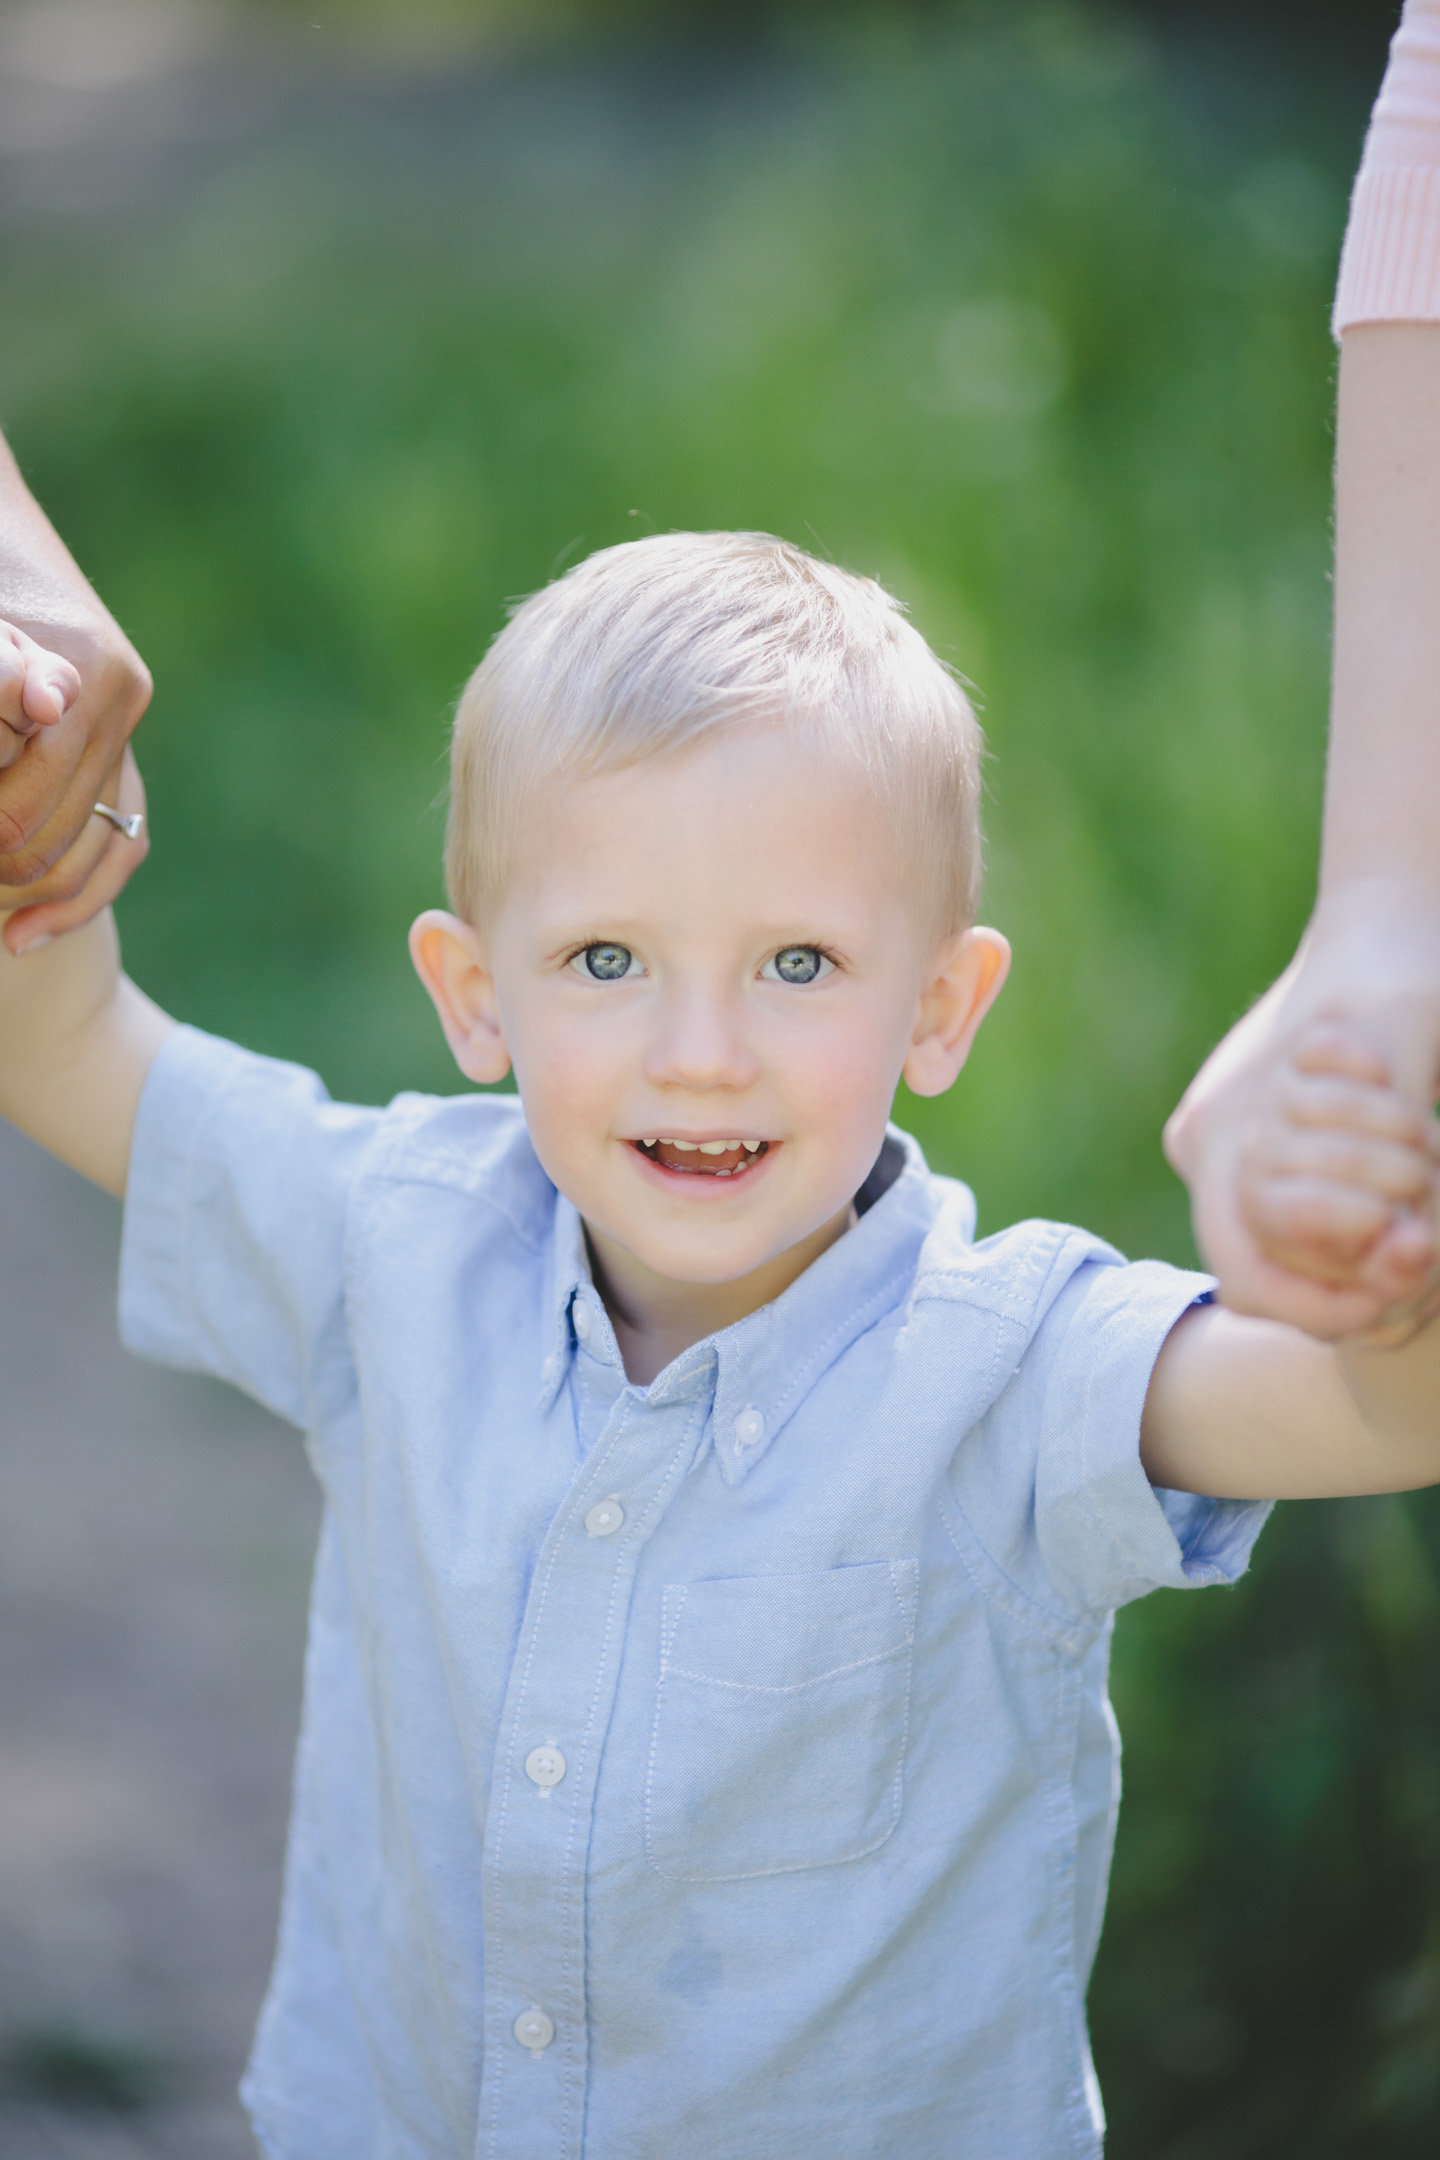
(704, 1158)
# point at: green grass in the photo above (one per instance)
(1026, 317)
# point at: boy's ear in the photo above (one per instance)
(450, 960)
(969, 975)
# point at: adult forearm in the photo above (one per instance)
(1373, 946)
(39, 578)
(1382, 815)
(1382, 808)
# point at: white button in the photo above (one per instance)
(749, 1428)
(545, 1766)
(580, 1314)
(534, 2030)
(605, 1518)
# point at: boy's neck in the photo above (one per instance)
(655, 1318)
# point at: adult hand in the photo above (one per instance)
(37, 689)
(96, 867)
(1281, 1246)
(56, 765)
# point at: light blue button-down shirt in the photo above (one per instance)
(718, 1770)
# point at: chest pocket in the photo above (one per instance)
(780, 1722)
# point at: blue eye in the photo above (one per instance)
(605, 963)
(797, 964)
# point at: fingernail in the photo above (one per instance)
(34, 944)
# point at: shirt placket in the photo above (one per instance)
(557, 1710)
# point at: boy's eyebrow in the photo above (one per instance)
(617, 928)
(587, 930)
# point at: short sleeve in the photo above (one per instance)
(232, 1259)
(1104, 1534)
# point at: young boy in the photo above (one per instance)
(706, 1750)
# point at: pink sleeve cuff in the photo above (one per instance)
(1390, 266)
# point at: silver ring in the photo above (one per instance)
(132, 826)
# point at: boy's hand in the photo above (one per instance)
(89, 876)
(1337, 1184)
(37, 688)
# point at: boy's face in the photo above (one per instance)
(709, 974)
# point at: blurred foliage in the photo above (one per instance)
(68, 2067)
(1270, 1984)
(1344, 28)
(1025, 313)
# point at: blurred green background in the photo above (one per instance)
(362, 321)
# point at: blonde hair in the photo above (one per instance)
(647, 648)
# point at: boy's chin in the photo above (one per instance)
(703, 1270)
(716, 1262)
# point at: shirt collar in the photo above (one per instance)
(766, 1364)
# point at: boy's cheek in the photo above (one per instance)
(571, 1098)
(844, 1087)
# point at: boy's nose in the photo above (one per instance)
(700, 1043)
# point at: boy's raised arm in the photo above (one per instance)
(76, 1042)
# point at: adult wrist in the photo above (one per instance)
(1400, 911)
(1371, 957)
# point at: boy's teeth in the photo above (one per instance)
(744, 1148)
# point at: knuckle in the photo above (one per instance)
(1345, 1157)
(1182, 1140)
(14, 833)
(66, 884)
(133, 691)
(1295, 1217)
(20, 863)
(21, 871)
(58, 883)
(1329, 1047)
(1333, 1245)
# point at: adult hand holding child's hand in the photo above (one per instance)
(1308, 1142)
(88, 876)
(37, 689)
(1367, 977)
(72, 689)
